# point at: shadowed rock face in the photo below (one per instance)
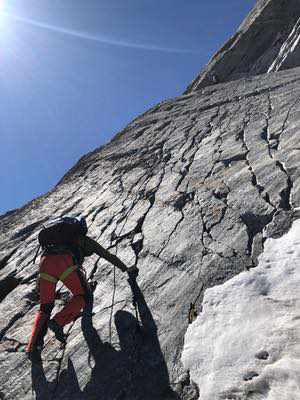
(188, 192)
(267, 41)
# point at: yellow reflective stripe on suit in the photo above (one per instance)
(47, 277)
(62, 277)
(67, 272)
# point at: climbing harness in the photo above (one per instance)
(62, 277)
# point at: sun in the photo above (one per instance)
(3, 15)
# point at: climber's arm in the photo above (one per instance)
(91, 246)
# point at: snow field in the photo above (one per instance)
(246, 342)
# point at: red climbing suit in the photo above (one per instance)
(61, 267)
(54, 268)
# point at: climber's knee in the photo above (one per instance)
(80, 299)
(47, 308)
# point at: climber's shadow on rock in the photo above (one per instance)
(135, 371)
(65, 385)
(138, 369)
(42, 389)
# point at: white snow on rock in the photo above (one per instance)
(246, 342)
(289, 53)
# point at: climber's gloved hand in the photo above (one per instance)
(132, 272)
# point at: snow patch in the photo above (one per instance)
(288, 47)
(246, 343)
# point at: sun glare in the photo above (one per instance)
(2, 14)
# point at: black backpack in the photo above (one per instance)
(62, 232)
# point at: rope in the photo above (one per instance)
(36, 254)
(131, 281)
(112, 306)
(202, 287)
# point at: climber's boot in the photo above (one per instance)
(34, 354)
(58, 331)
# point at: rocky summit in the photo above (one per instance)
(191, 192)
(267, 41)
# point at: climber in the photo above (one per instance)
(65, 245)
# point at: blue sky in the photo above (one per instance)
(74, 72)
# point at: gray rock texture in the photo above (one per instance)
(268, 40)
(188, 192)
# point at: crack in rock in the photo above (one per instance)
(7, 285)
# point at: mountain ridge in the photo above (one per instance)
(189, 191)
(255, 46)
